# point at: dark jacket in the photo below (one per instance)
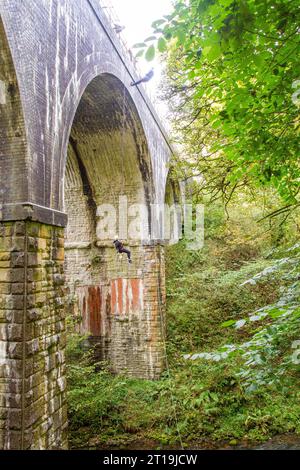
(118, 245)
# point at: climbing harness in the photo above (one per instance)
(121, 249)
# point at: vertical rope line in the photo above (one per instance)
(122, 138)
(122, 166)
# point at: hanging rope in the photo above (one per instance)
(119, 256)
(142, 265)
(122, 137)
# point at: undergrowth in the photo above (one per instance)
(232, 326)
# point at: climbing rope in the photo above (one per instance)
(122, 136)
(142, 265)
(122, 156)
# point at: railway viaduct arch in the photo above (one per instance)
(73, 136)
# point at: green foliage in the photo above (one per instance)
(233, 69)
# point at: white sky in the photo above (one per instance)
(137, 16)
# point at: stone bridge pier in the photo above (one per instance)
(74, 137)
(108, 164)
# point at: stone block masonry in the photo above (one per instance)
(137, 318)
(121, 306)
(33, 411)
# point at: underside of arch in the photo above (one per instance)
(13, 149)
(118, 303)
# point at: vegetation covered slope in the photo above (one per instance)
(243, 382)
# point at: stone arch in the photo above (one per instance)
(108, 157)
(13, 152)
(173, 208)
(106, 124)
(172, 189)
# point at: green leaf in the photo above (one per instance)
(228, 323)
(162, 45)
(139, 44)
(181, 35)
(157, 23)
(140, 53)
(150, 38)
(150, 53)
(212, 51)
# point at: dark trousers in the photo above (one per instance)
(124, 250)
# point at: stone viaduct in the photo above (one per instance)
(73, 135)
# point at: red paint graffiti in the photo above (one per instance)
(126, 296)
(91, 303)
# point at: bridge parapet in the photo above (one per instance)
(110, 12)
(108, 17)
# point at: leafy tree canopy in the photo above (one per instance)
(233, 83)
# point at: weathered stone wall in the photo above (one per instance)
(123, 309)
(137, 311)
(32, 337)
(120, 305)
